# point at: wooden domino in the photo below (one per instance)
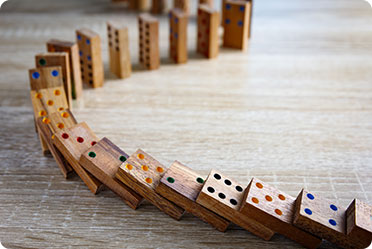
(149, 41)
(224, 196)
(158, 6)
(103, 160)
(72, 143)
(181, 185)
(118, 41)
(207, 38)
(45, 77)
(45, 101)
(72, 49)
(326, 220)
(250, 2)
(275, 210)
(91, 65)
(178, 35)
(51, 124)
(236, 24)
(207, 2)
(359, 221)
(139, 4)
(184, 5)
(142, 173)
(58, 59)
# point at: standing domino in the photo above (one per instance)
(207, 39)
(178, 35)
(149, 41)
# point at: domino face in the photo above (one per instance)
(103, 160)
(51, 124)
(224, 196)
(58, 59)
(182, 185)
(45, 77)
(71, 48)
(118, 41)
(149, 41)
(72, 143)
(90, 54)
(207, 40)
(275, 209)
(142, 173)
(178, 36)
(236, 24)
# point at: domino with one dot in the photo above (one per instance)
(142, 173)
(275, 209)
(103, 160)
(224, 197)
(182, 186)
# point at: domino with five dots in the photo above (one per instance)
(275, 209)
(103, 160)
(224, 197)
(72, 143)
(326, 220)
(72, 49)
(51, 124)
(181, 185)
(142, 173)
(58, 59)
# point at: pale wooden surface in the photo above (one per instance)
(294, 111)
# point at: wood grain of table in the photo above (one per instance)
(294, 110)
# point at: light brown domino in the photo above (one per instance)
(158, 6)
(103, 161)
(51, 124)
(119, 56)
(44, 102)
(325, 219)
(184, 5)
(139, 4)
(275, 209)
(224, 196)
(236, 24)
(142, 173)
(91, 64)
(72, 49)
(149, 56)
(182, 185)
(44, 77)
(178, 36)
(60, 59)
(72, 143)
(207, 37)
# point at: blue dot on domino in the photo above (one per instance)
(176, 20)
(35, 75)
(241, 8)
(240, 23)
(228, 6)
(333, 207)
(308, 211)
(176, 35)
(88, 41)
(55, 73)
(171, 30)
(310, 196)
(332, 222)
(79, 37)
(89, 58)
(227, 21)
(81, 53)
(170, 15)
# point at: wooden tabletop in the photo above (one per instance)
(294, 110)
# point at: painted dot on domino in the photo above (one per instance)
(240, 23)
(228, 6)
(333, 207)
(310, 196)
(176, 35)
(35, 75)
(332, 222)
(55, 73)
(308, 211)
(176, 20)
(227, 21)
(242, 8)
(88, 41)
(81, 53)
(89, 58)
(79, 37)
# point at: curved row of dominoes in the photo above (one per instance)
(218, 200)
